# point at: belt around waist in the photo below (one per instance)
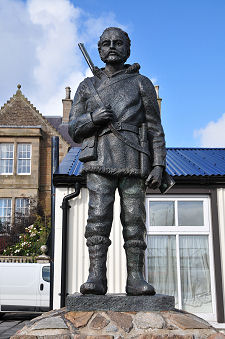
(120, 126)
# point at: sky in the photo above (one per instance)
(180, 46)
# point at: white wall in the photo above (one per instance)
(77, 254)
(221, 215)
(78, 261)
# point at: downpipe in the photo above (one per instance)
(54, 166)
(65, 207)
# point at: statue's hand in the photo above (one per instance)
(155, 177)
(102, 116)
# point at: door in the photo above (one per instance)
(44, 287)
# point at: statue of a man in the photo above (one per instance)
(116, 117)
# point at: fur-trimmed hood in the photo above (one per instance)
(129, 69)
(134, 68)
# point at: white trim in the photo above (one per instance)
(176, 228)
(7, 208)
(178, 273)
(8, 143)
(17, 167)
(22, 209)
(221, 220)
(187, 230)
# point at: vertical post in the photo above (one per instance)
(217, 258)
(54, 166)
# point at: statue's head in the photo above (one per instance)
(114, 45)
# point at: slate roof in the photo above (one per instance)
(201, 162)
(62, 128)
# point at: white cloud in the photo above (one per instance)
(154, 81)
(213, 135)
(40, 49)
(95, 26)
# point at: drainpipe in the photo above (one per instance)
(54, 166)
(65, 207)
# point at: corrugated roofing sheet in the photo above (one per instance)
(70, 165)
(179, 162)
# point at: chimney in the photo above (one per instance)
(67, 103)
(158, 98)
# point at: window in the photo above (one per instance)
(5, 213)
(6, 158)
(22, 207)
(179, 253)
(23, 159)
(46, 273)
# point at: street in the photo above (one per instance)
(10, 323)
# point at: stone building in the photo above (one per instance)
(25, 154)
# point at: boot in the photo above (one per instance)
(97, 282)
(136, 284)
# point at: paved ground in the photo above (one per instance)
(12, 322)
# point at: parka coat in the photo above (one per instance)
(133, 101)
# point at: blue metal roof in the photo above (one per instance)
(71, 164)
(179, 162)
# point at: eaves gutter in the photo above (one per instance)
(61, 180)
(217, 180)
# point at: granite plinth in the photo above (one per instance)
(119, 302)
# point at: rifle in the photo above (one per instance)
(95, 70)
(167, 181)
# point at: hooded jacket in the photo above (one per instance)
(133, 100)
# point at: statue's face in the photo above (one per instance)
(113, 48)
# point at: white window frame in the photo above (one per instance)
(8, 173)
(186, 230)
(22, 209)
(18, 145)
(7, 207)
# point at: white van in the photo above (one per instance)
(24, 287)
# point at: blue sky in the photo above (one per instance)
(179, 45)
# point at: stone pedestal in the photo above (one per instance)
(119, 303)
(118, 317)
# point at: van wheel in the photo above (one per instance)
(1, 314)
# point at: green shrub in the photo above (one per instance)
(30, 242)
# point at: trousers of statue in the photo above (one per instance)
(100, 216)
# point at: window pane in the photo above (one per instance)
(161, 259)
(6, 158)
(190, 213)
(161, 213)
(5, 213)
(24, 158)
(22, 207)
(195, 274)
(46, 273)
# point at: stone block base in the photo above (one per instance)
(117, 325)
(119, 302)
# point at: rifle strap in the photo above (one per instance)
(111, 127)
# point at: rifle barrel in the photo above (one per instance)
(86, 56)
